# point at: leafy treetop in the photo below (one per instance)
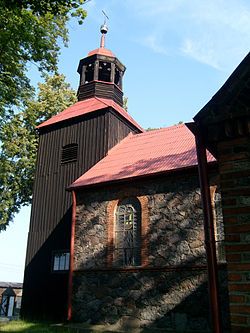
(19, 142)
(43, 7)
(30, 32)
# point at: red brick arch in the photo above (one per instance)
(111, 209)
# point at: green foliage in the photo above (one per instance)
(43, 7)
(125, 103)
(155, 128)
(19, 143)
(31, 32)
(152, 129)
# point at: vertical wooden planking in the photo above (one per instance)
(95, 134)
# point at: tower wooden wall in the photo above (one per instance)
(45, 291)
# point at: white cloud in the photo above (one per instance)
(214, 32)
(200, 53)
(154, 43)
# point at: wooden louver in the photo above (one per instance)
(69, 153)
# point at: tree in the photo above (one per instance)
(31, 32)
(152, 129)
(18, 148)
(42, 7)
(125, 103)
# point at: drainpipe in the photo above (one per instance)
(72, 240)
(208, 229)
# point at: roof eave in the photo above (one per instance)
(123, 180)
(226, 89)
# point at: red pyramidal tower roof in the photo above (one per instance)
(84, 107)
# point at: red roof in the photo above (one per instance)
(102, 51)
(88, 106)
(144, 154)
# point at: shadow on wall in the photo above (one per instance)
(170, 292)
(176, 299)
(45, 293)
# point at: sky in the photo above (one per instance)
(177, 53)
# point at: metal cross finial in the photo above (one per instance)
(104, 29)
(105, 15)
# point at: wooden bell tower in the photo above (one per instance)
(101, 74)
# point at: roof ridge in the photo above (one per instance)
(161, 129)
(101, 100)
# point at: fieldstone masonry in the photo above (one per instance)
(170, 288)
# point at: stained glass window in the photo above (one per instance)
(128, 233)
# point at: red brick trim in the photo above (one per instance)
(111, 218)
(238, 266)
(144, 226)
(238, 319)
(144, 229)
(240, 309)
(243, 287)
(237, 228)
(237, 298)
(239, 329)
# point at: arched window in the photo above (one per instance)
(127, 231)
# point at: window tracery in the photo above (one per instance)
(127, 238)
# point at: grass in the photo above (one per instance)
(20, 326)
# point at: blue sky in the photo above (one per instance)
(178, 53)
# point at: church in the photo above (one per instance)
(116, 234)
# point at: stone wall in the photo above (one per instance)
(175, 230)
(174, 223)
(171, 284)
(176, 300)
